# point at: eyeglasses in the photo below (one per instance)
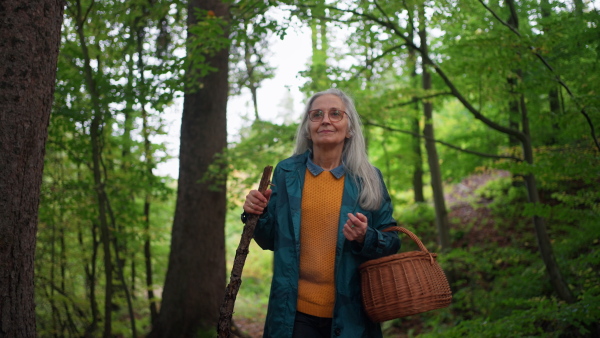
(317, 115)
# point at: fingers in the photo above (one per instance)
(355, 228)
(256, 202)
(361, 217)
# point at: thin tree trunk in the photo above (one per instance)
(121, 274)
(417, 179)
(513, 83)
(513, 109)
(148, 262)
(250, 73)
(30, 41)
(147, 237)
(148, 159)
(120, 262)
(441, 214)
(96, 140)
(63, 275)
(579, 6)
(150, 176)
(253, 91)
(318, 68)
(556, 279)
(90, 274)
(55, 312)
(553, 95)
(104, 230)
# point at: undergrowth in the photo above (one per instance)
(501, 287)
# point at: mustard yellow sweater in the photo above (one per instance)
(321, 203)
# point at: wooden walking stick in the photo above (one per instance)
(235, 280)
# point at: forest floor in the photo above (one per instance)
(459, 198)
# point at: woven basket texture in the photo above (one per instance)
(403, 284)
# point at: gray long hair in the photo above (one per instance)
(354, 154)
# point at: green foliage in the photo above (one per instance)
(504, 290)
(206, 37)
(262, 144)
(130, 71)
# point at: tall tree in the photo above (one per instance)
(320, 50)
(97, 140)
(441, 214)
(417, 178)
(195, 279)
(28, 56)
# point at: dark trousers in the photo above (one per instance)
(307, 326)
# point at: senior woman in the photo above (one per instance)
(322, 218)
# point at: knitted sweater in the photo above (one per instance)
(321, 204)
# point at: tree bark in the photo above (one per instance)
(196, 276)
(441, 214)
(28, 57)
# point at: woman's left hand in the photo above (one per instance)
(355, 228)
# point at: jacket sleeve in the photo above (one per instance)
(378, 243)
(264, 233)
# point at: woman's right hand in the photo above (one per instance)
(256, 202)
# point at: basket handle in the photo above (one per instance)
(411, 235)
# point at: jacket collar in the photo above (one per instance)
(314, 169)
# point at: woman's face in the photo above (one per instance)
(327, 133)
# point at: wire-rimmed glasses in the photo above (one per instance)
(317, 115)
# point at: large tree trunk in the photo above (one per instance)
(441, 214)
(28, 56)
(195, 281)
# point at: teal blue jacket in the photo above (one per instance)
(279, 230)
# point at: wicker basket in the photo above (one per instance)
(403, 284)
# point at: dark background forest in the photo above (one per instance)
(481, 115)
